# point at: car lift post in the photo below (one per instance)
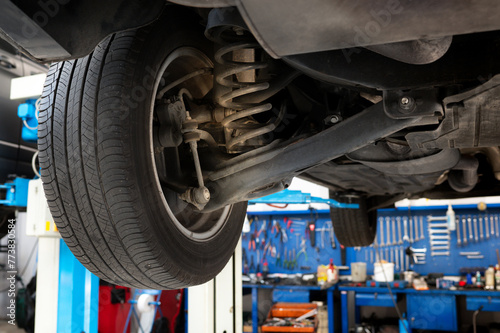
(67, 293)
(217, 305)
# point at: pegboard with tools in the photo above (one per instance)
(289, 242)
(436, 245)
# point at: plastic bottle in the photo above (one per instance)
(265, 269)
(450, 217)
(469, 278)
(478, 279)
(331, 272)
(497, 277)
(489, 278)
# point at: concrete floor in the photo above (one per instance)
(8, 328)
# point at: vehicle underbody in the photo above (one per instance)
(379, 100)
(352, 61)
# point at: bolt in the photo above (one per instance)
(206, 193)
(201, 195)
(334, 119)
(239, 31)
(406, 103)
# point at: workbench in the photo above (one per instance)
(255, 300)
(433, 309)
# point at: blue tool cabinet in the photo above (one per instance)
(433, 309)
(488, 303)
(436, 312)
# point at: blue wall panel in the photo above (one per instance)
(322, 252)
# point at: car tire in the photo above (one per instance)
(99, 166)
(353, 227)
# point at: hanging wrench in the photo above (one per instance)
(440, 243)
(492, 227)
(474, 220)
(411, 229)
(396, 259)
(486, 227)
(416, 228)
(496, 226)
(438, 231)
(469, 223)
(446, 253)
(431, 218)
(371, 256)
(459, 239)
(388, 229)
(402, 259)
(381, 231)
(440, 237)
(464, 230)
(400, 239)
(394, 240)
(405, 226)
(481, 234)
(391, 255)
(422, 235)
(438, 225)
(386, 254)
(440, 247)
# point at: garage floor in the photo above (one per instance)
(323, 319)
(8, 328)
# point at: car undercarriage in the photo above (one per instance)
(199, 106)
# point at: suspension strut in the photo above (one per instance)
(232, 82)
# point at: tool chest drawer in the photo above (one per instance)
(374, 299)
(489, 303)
(432, 312)
(290, 295)
(282, 318)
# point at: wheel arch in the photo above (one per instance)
(46, 31)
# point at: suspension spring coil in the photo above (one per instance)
(242, 110)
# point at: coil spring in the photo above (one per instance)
(243, 109)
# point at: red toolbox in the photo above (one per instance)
(281, 318)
